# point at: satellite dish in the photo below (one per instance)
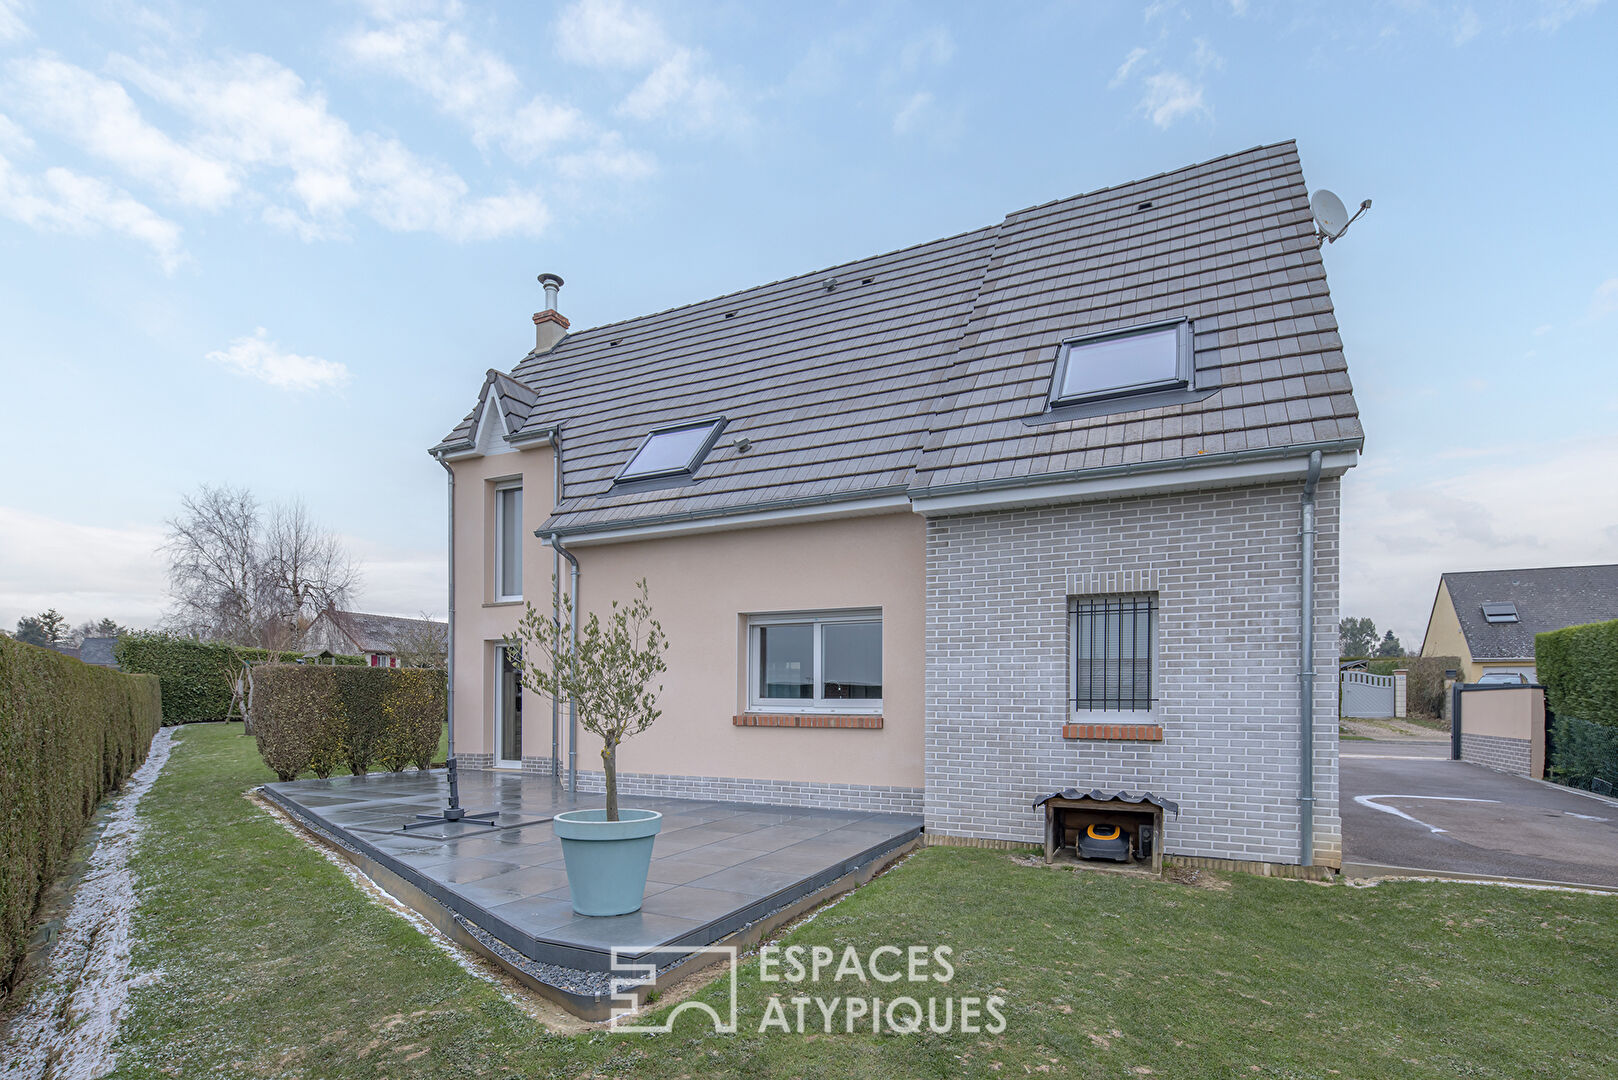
(1330, 213)
(1331, 216)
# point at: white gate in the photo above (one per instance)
(1367, 695)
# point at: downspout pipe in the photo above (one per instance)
(449, 695)
(556, 599)
(572, 704)
(1306, 669)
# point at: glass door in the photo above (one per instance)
(508, 710)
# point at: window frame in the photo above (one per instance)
(1153, 697)
(1184, 366)
(500, 488)
(819, 703)
(692, 464)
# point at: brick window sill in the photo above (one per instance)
(833, 721)
(1114, 732)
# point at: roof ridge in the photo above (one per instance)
(777, 281)
(1527, 569)
(1155, 176)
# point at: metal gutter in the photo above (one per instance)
(1140, 468)
(778, 511)
(1306, 669)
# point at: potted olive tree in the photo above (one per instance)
(607, 674)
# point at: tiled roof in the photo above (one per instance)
(1547, 598)
(379, 633)
(928, 368)
(98, 651)
(516, 402)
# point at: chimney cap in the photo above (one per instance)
(551, 279)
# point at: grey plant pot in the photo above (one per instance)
(606, 860)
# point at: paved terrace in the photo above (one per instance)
(717, 868)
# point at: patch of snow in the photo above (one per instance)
(1371, 883)
(66, 1029)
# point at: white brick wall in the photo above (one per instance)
(1226, 567)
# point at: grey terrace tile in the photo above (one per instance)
(718, 867)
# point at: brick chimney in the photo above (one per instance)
(549, 325)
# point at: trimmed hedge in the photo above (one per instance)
(320, 717)
(1579, 669)
(1581, 751)
(1424, 685)
(69, 732)
(197, 675)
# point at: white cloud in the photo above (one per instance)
(1511, 506)
(1554, 13)
(84, 571)
(471, 84)
(1605, 300)
(60, 200)
(678, 85)
(1136, 55)
(609, 157)
(1467, 26)
(260, 358)
(12, 27)
(610, 34)
(1238, 7)
(99, 116)
(1170, 96)
(934, 47)
(910, 113)
(1206, 58)
(262, 117)
(14, 138)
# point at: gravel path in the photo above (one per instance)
(66, 1029)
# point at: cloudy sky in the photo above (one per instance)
(278, 244)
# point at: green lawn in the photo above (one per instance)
(274, 964)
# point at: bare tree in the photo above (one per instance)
(306, 569)
(422, 644)
(238, 575)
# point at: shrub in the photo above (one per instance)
(309, 716)
(413, 709)
(197, 675)
(69, 732)
(1579, 668)
(362, 692)
(292, 704)
(1424, 683)
(1580, 751)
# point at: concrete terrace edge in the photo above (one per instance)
(400, 882)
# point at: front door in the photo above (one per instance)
(507, 710)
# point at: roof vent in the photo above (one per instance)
(831, 284)
(1147, 205)
(1503, 611)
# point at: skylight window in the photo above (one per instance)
(673, 451)
(1500, 612)
(1123, 363)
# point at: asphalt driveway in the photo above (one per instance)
(1405, 804)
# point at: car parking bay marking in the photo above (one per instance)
(1371, 801)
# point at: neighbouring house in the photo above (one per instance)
(98, 651)
(1489, 618)
(951, 528)
(380, 639)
